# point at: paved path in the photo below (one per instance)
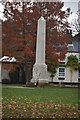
(10, 86)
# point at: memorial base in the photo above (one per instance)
(40, 73)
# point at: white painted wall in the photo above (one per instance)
(5, 74)
(67, 76)
(67, 72)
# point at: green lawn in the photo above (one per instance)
(40, 102)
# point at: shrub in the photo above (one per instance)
(29, 84)
(6, 81)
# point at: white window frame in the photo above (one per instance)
(61, 74)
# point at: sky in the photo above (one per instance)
(74, 9)
(72, 5)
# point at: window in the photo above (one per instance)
(61, 72)
(79, 74)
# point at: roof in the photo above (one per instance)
(7, 59)
(75, 46)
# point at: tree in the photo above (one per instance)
(20, 29)
(75, 25)
(52, 68)
(72, 62)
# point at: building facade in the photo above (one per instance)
(63, 73)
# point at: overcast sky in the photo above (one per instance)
(72, 5)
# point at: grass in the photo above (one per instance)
(40, 102)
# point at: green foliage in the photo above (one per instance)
(14, 76)
(53, 67)
(73, 62)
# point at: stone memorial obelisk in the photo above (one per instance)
(40, 68)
